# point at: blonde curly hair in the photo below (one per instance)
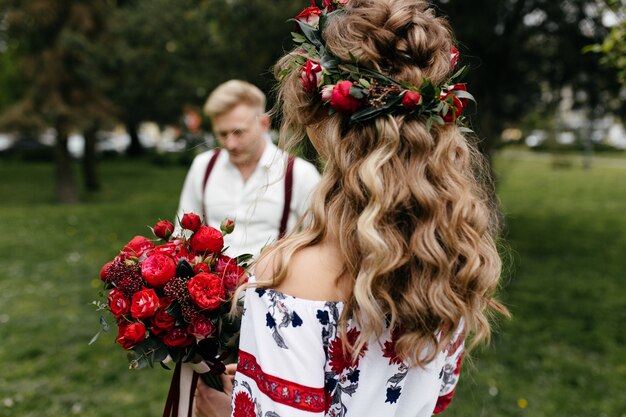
(412, 207)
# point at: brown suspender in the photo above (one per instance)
(288, 190)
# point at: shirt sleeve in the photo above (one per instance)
(451, 370)
(306, 178)
(280, 368)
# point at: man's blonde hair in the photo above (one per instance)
(232, 93)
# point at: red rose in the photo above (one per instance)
(341, 100)
(201, 327)
(206, 290)
(118, 303)
(411, 99)
(137, 246)
(311, 76)
(243, 405)
(128, 335)
(157, 269)
(162, 321)
(310, 15)
(232, 274)
(144, 304)
(207, 239)
(454, 57)
(178, 337)
(201, 267)
(227, 226)
(169, 248)
(191, 221)
(163, 229)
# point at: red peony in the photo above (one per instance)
(144, 304)
(340, 360)
(128, 335)
(311, 76)
(163, 229)
(207, 239)
(118, 303)
(341, 100)
(310, 15)
(158, 269)
(178, 337)
(162, 321)
(243, 405)
(191, 221)
(201, 327)
(137, 246)
(206, 290)
(411, 99)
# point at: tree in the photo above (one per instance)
(522, 54)
(54, 64)
(613, 47)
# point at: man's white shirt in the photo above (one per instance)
(255, 205)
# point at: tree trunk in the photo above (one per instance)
(135, 148)
(90, 176)
(65, 185)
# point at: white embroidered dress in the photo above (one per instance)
(291, 364)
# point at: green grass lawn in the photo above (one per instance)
(562, 355)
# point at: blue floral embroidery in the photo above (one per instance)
(322, 316)
(393, 393)
(296, 320)
(354, 376)
(269, 320)
(260, 291)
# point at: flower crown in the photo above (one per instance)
(363, 93)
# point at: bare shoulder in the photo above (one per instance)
(312, 274)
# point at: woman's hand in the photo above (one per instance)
(213, 403)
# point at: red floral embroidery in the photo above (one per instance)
(340, 358)
(280, 390)
(389, 348)
(244, 406)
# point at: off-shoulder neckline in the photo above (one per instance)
(293, 297)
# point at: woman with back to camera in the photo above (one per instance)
(365, 312)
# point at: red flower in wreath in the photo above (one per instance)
(244, 406)
(340, 358)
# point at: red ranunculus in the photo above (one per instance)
(178, 337)
(311, 76)
(341, 100)
(201, 327)
(243, 405)
(163, 229)
(128, 335)
(157, 269)
(118, 303)
(162, 321)
(454, 57)
(207, 239)
(137, 246)
(191, 221)
(206, 290)
(227, 226)
(411, 99)
(144, 304)
(310, 15)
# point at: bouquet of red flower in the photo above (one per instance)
(171, 299)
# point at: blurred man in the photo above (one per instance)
(248, 180)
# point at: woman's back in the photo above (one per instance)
(293, 361)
